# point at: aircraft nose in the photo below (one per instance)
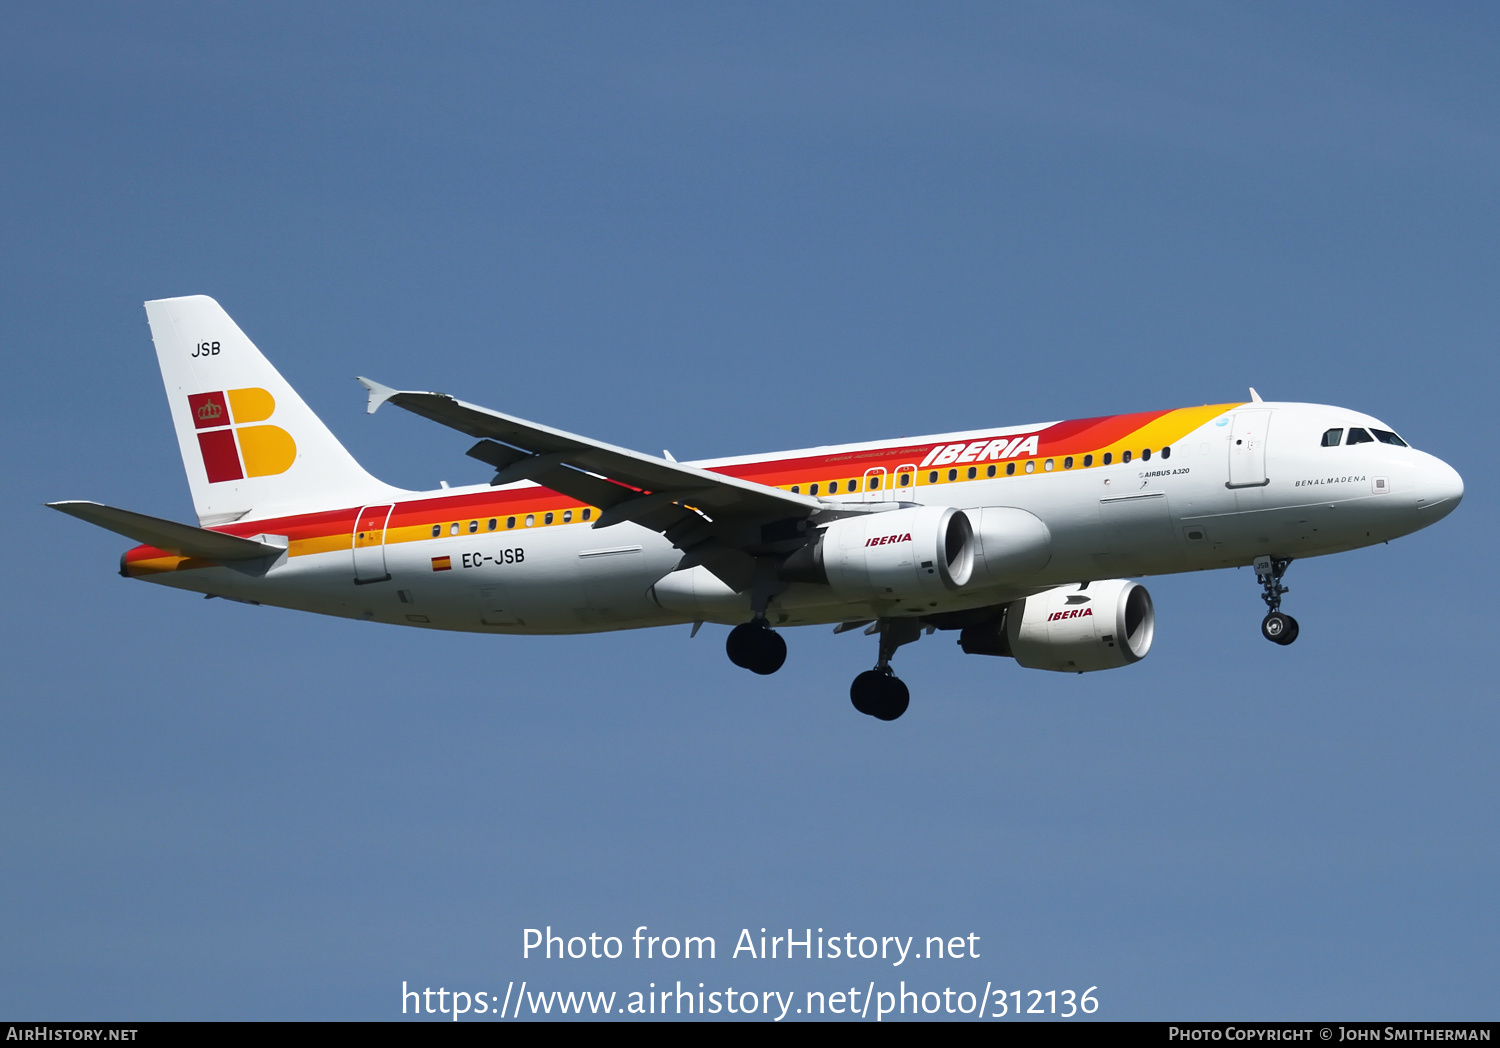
(1440, 489)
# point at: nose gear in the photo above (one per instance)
(1277, 626)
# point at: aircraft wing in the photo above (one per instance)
(591, 470)
(718, 521)
(168, 535)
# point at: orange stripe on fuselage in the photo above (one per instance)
(332, 530)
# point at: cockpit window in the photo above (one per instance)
(1332, 437)
(1385, 436)
(1359, 436)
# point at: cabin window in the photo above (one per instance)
(1385, 436)
(1166, 452)
(932, 477)
(587, 513)
(953, 474)
(1031, 466)
(1088, 460)
(903, 479)
(510, 522)
(567, 516)
(833, 487)
(1332, 437)
(547, 519)
(973, 472)
(1146, 455)
(453, 528)
(812, 489)
(989, 471)
(854, 485)
(530, 519)
(1359, 436)
(874, 483)
(1068, 462)
(796, 489)
(1108, 457)
(1125, 456)
(473, 526)
(491, 526)
(437, 529)
(1010, 469)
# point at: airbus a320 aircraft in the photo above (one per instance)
(1019, 538)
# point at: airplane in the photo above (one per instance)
(1024, 540)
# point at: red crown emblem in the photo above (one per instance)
(210, 410)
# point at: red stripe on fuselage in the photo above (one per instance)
(1061, 438)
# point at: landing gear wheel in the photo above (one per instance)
(865, 691)
(1279, 628)
(879, 694)
(756, 647)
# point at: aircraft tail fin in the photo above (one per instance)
(248, 441)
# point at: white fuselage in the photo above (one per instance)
(1209, 505)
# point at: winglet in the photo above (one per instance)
(378, 394)
(1254, 397)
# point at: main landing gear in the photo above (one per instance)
(755, 646)
(1276, 626)
(879, 693)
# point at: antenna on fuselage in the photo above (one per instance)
(1255, 397)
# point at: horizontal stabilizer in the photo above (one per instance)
(168, 535)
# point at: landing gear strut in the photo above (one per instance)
(879, 693)
(1277, 627)
(755, 646)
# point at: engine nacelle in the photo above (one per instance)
(1010, 545)
(1075, 629)
(897, 555)
(1071, 629)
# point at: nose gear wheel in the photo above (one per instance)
(1279, 628)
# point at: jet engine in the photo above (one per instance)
(1071, 629)
(896, 555)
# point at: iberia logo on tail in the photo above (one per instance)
(232, 449)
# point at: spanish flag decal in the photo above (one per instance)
(442, 563)
(232, 449)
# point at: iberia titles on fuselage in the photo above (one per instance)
(1020, 537)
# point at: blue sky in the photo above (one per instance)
(725, 229)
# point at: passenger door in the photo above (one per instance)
(369, 544)
(1247, 449)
